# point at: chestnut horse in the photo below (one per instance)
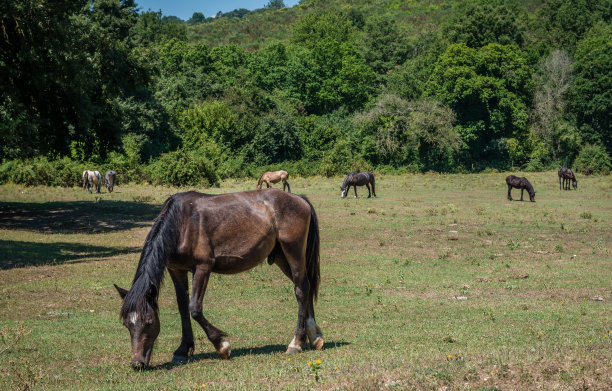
(91, 179)
(227, 234)
(520, 183)
(566, 174)
(357, 179)
(274, 177)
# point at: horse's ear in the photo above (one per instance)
(122, 292)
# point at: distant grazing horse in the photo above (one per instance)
(358, 179)
(520, 183)
(92, 179)
(109, 178)
(274, 177)
(566, 174)
(227, 234)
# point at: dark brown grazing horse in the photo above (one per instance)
(566, 174)
(274, 177)
(358, 179)
(226, 233)
(109, 178)
(520, 183)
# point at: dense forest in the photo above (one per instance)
(322, 88)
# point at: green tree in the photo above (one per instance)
(151, 28)
(277, 139)
(562, 23)
(382, 46)
(480, 24)
(409, 133)
(591, 92)
(489, 89)
(208, 122)
(324, 70)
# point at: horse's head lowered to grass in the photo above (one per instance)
(142, 320)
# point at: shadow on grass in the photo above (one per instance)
(268, 349)
(77, 216)
(15, 254)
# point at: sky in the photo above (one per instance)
(184, 9)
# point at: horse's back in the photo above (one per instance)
(239, 230)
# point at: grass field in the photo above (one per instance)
(439, 283)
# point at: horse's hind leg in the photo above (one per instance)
(216, 336)
(522, 194)
(181, 286)
(295, 269)
(369, 192)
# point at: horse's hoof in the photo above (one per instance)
(179, 359)
(317, 344)
(294, 349)
(224, 350)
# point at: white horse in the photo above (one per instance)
(91, 179)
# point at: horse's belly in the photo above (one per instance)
(241, 257)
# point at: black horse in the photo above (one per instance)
(109, 178)
(358, 179)
(520, 183)
(566, 174)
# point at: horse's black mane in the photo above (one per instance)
(159, 245)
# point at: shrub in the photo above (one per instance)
(183, 168)
(593, 159)
(67, 173)
(30, 172)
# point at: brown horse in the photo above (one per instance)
(566, 174)
(92, 179)
(226, 233)
(520, 183)
(274, 177)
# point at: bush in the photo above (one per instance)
(593, 159)
(40, 171)
(68, 173)
(183, 168)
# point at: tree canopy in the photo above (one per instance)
(326, 86)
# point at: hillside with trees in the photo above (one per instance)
(322, 88)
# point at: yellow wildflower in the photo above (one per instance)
(309, 362)
(318, 361)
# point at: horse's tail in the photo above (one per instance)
(259, 181)
(373, 184)
(312, 254)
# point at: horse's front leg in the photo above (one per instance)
(522, 194)
(181, 286)
(355, 188)
(216, 336)
(509, 190)
(288, 188)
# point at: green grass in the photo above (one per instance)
(509, 300)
